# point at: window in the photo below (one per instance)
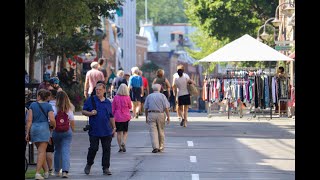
(172, 37)
(157, 35)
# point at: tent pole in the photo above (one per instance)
(269, 91)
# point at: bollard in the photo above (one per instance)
(31, 154)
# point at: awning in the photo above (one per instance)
(177, 32)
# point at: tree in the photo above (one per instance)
(54, 18)
(229, 18)
(172, 13)
(207, 45)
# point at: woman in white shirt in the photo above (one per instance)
(181, 93)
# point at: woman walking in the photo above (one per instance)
(121, 106)
(37, 129)
(165, 85)
(62, 139)
(181, 92)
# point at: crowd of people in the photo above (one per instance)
(108, 116)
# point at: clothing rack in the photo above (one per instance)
(236, 76)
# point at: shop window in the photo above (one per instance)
(172, 37)
(157, 35)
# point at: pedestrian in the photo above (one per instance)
(163, 81)
(102, 127)
(146, 91)
(136, 91)
(175, 76)
(62, 139)
(37, 129)
(182, 94)
(101, 63)
(50, 147)
(117, 82)
(155, 105)
(45, 84)
(92, 77)
(54, 84)
(121, 106)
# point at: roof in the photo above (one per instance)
(245, 48)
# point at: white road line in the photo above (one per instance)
(190, 143)
(195, 176)
(193, 159)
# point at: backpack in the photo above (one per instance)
(163, 83)
(62, 122)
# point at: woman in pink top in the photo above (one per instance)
(121, 106)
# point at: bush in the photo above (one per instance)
(75, 93)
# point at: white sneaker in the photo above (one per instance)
(64, 175)
(38, 176)
(46, 175)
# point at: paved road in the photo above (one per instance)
(209, 148)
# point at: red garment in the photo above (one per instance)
(145, 82)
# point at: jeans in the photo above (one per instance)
(94, 147)
(62, 145)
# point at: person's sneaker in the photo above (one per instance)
(51, 172)
(107, 171)
(64, 175)
(155, 150)
(87, 169)
(123, 146)
(120, 150)
(38, 176)
(46, 175)
(161, 150)
(182, 122)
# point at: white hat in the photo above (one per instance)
(93, 64)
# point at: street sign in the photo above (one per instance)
(283, 48)
(284, 42)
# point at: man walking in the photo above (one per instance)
(92, 77)
(155, 105)
(102, 127)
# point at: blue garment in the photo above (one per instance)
(266, 92)
(100, 123)
(62, 149)
(39, 131)
(135, 81)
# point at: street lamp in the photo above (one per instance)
(265, 35)
(288, 11)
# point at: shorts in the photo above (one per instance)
(184, 100)
(50, 147)
(135, 94)
(122, 126)
(166, 93)
(143, 98)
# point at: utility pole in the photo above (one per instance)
(146, 10)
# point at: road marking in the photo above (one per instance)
(195, 176)
(193, 159)
(190, 143)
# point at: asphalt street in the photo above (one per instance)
(215, 148)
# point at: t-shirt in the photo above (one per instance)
(145, 82)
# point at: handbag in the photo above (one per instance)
(193, 91)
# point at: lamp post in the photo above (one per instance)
(287, 11)
(264, 35)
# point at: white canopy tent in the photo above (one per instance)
(245, 48)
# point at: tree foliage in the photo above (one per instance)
(229, 18)
(161, 11)
(54, 18)
(207, 45)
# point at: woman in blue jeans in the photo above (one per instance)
(62, 140)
